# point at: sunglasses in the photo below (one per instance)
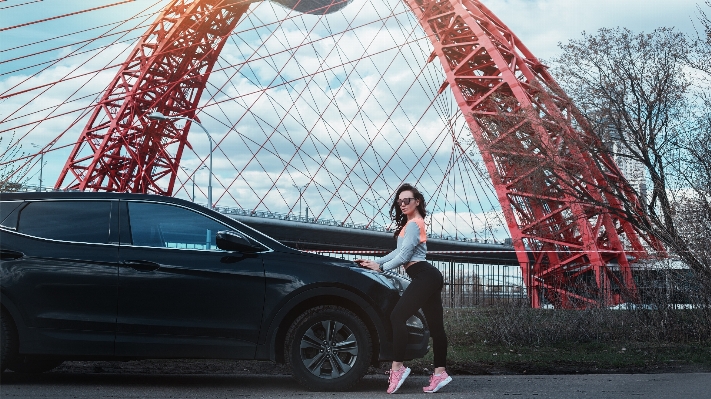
(405, 201)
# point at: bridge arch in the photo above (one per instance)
(506, 95)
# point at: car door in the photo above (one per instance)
(62, 275)
(179, 295)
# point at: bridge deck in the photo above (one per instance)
(313, 237)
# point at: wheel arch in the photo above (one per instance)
(8, 307)
(13, 334)
(317, 297)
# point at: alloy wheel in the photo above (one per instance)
(329, 349)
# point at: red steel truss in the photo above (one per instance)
(534, 142)
(537, 147)
(120, 149)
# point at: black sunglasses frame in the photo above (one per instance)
(405, 201)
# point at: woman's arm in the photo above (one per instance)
(376, 263)
(387, 257)
(407, 247)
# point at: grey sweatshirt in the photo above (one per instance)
(411, 246)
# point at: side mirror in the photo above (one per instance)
(233, 241)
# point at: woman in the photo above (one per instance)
(424, 292)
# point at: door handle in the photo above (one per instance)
(6, 254)
(141, 265)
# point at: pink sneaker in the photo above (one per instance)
(437, 382)
(397, 378)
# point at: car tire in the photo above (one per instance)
(29, 364)
(328, 348)
(8, 340)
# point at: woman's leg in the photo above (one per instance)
(434, 313)
(407, 305)
(424, 288)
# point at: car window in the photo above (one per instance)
(167, 226)
(79, 221)
(8, 209)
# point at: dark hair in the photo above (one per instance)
(396, 214)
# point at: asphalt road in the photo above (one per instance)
(599, 386)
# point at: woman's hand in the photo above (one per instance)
(368, 264)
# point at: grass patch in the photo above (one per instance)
(530, 341)
(613, 357)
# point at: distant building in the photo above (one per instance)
(633, 170)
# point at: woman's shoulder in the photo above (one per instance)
(419, 222)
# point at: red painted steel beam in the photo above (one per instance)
(120, 149)
(523, 124)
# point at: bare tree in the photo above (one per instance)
(701, 57)
(8, 165)
(638, 94)
(695, 209)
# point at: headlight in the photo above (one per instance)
(401, 283)
(415, 322)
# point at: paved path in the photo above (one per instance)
(600, 386)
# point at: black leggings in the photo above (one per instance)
(424, 293)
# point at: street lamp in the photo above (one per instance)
(187, 171)
(301, 189)
(157, 116)
(41, 164)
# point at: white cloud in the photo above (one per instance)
(542, 24)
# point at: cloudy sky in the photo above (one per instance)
(540, 24)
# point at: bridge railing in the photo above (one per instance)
(331, 222)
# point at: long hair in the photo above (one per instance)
(396, 214)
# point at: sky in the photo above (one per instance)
(540, 24)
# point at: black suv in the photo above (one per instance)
(125, 276)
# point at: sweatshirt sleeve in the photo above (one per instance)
(404, 252)
(387, 257)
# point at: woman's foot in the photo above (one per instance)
(397, 377)
(437, 382)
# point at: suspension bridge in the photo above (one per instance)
(325, 106)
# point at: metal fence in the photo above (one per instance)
(475, 285)
(470, 284)
(667, 284)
